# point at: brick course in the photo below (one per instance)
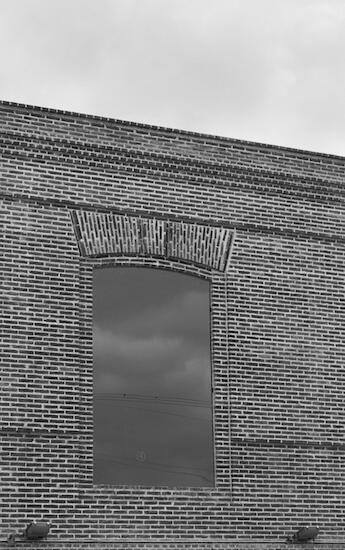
(277, 317)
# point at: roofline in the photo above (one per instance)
(185, 133)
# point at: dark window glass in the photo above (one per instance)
(152, 379)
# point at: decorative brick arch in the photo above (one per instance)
(106, 234)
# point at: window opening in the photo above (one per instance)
(152, 378)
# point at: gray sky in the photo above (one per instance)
(271, 71)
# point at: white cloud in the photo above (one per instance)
(134, 348)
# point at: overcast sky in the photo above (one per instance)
(271, 71)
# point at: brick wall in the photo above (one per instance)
(277, 313)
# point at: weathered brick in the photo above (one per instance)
(176, 200)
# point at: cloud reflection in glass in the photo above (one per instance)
(152, 379)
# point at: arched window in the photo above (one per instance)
(152, 378)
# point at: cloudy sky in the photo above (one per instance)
(271, 71)
(152, 378)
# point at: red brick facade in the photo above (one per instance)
(265, 225)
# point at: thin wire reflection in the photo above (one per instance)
(181, 401)
(156, 400)
(155, 411)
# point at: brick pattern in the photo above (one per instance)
(277, 316)
(101, 234)
(187, 545)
